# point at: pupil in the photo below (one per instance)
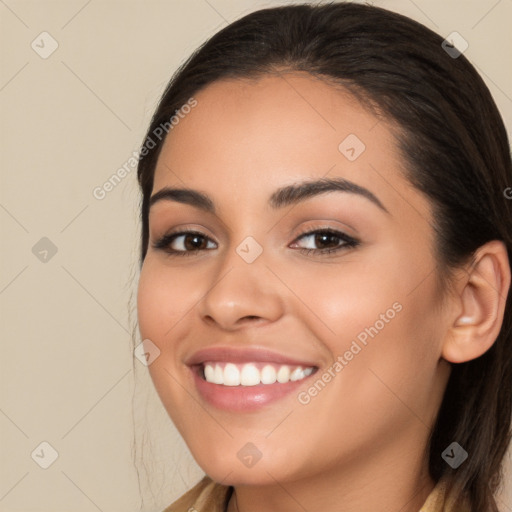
(194, 245)
(324, 238)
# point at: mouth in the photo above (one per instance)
(243, 381)
(253, 373)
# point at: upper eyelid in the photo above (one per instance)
(306, 231)
(345, 228)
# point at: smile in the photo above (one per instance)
(247, 379)
(252, 374)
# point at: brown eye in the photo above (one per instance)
(324, 241)
(193, 242)
(184, 243)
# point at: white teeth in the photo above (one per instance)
(283, 374)
(308, 372)
(248, 374)
(218, 377)
(231, 375)
(297, 374)
(209, 373)
(268, 375)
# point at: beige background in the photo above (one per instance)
(68, 122)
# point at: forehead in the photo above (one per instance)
(294, 107)
(248, 137)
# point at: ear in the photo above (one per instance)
(480, 304)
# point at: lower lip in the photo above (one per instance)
(244, 398)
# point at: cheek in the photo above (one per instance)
(367, 292)
(386, 383)
(153, 297)
(162, 304)
(381, 318)
(164, 298)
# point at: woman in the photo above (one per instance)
(325, 275)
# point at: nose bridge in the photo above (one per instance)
(243, 287)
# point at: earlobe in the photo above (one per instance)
(481, 304)
(465, 320)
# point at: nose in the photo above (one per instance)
(241, 294)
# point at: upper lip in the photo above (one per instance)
(243, 355)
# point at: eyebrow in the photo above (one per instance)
(285, 196)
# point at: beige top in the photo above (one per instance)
(207, 496)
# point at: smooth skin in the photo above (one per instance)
(359, 444)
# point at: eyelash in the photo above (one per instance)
(349, 242)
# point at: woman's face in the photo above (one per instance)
(310, 262)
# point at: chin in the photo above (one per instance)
(244, 467)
